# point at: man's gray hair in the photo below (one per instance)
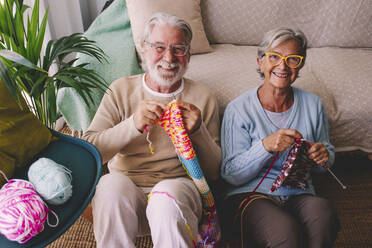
(276, 36)
(160, 19)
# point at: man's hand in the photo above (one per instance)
(191, 116)
(281, 140)
(319, 153)
(147, 113)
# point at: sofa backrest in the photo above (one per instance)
(341, 23)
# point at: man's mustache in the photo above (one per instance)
(166, 65)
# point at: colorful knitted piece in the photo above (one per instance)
(209, 229)
(296, 167)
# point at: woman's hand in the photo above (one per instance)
(191, 116)
(281, 140)
(147, 113)
(319, 153)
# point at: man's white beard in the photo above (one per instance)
(166, 79)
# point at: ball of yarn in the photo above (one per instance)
(22, 211)
(51, 180)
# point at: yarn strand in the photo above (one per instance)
(179, 210)
(2, 173)
(149, 141)
(55, 215)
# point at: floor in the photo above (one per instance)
(354, 207)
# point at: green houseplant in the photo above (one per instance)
(39, 73)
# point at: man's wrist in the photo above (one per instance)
(197, 127)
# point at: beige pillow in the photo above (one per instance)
(139, 11)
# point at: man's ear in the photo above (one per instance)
(142, 46)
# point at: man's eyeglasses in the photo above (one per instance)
(177, 50)
(292, 61)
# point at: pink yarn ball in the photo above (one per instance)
(22, 211)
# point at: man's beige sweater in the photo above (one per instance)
(126, 149)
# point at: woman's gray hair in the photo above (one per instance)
(160, 19)
(276, 36)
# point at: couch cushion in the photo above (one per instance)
(230, 70)
(340, 77)
(22, 135)
(325, 23)
(141, 10)
(347, 74)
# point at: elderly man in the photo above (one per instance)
(126, 115)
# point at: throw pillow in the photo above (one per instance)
(22, 135)
(112, 32)
(140, 11)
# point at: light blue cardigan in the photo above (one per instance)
(245, 124)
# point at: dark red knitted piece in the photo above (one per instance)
(296, 167)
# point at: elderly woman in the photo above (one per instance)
(258, 130)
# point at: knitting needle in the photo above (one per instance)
(334, 176)
(329, 170)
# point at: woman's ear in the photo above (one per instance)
(302, 65)
(259, 63)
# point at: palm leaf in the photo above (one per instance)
(51, 100)
(19, 59)
(39, 86)
(19, 30)
(21, 68)
(40, 36)
(9, 82)
(34, 24)
(74, 84)
(11, 23)
(75, 43)
(3, 20)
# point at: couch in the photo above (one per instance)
(337, 69)
(338, 66)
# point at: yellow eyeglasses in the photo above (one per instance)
(292, 61)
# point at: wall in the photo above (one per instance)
(95, 7)
(70, 16)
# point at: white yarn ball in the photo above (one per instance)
(51, 180)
